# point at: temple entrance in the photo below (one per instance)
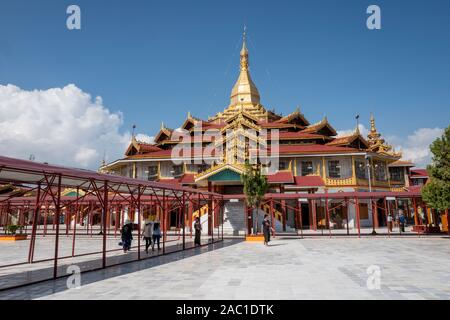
(305, 216)
(173, 220)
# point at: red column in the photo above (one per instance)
(35, 218)
(346, 215)
(57, 213)
(272, 217)
(416, 213)
(327, 211)
(283, 213)
(139, 221)
(386, 212)
(104, 215)
(358, 217)
(448, 221)
(300, 217)
(374, 216)
(314, 214)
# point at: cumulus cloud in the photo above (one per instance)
(59, 125)
(145, 138)
(362, 129)
(416, 147)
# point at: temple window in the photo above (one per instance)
(130, 171)
(379, 168)
(397, 174)
(202, 167)
(341, 168)
(307, 168)
(178, 170)
(334, 169)
(152, 173)
(360, 168)
(283, 165)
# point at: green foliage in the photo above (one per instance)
(12, 229)
(437, 192)
(255, 185)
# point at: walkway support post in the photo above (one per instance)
(35, 217)
(139, 221)
(105, 210)
(56, 219)
(77, 209)
(358, 222)
(374, 216)
(183, 221)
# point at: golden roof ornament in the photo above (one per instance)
(377, 143)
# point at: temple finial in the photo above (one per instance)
(162, 125)
(372, 123)
(244, 51)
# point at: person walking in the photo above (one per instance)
(147, 233)
(266, 224)
(127, 235)
(389, 221)
(198, 231)
(156, 236)
(402, 220)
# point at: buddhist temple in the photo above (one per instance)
(310, 158)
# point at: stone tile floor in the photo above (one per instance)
(314, 268)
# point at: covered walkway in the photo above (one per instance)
(73, 216)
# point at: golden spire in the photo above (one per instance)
(372, 123)
(244, 91)
(244, 52)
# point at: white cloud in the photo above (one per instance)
(416, 147)
(145, 138)
(59, 125)
(362, 129)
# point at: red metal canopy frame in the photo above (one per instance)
(45, 183)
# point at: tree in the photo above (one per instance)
(437, 192)
(255, 187)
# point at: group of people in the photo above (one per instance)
(400, 219)
(151, 233)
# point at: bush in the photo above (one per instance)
(12, 229)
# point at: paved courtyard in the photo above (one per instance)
(313, 268)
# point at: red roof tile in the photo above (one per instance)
(419, 173)
(309, 181)
(281, 177)
(187, 178)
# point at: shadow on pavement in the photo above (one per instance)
(48, 287)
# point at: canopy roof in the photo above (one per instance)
(29, 172)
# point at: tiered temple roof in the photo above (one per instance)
(296, 134)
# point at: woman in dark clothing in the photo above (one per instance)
(198, 231)
(266, 229)
(156, 234)
(127, 235)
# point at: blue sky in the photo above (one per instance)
(155, 60)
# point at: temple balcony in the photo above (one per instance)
(337, 182)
